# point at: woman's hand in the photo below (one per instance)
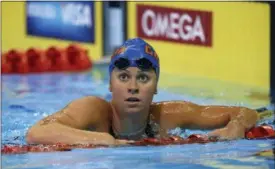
(123, 142)
(228, 133)
(109, 140)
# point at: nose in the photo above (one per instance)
(133, 91)
(133, 87)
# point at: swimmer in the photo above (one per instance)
(131, 115)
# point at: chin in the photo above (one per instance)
(133, 110)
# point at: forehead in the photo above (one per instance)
(134, 70)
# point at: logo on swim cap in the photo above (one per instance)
(119, 51)
(135, 53)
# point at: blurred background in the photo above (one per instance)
(218, 53)
(206, 49)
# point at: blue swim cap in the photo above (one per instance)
(135, 53)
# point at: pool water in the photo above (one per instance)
(29, 98)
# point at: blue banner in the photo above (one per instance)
(70, 20)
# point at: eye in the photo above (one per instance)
(143, 78)
(123, 77)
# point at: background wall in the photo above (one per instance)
(235, 59)
(14, 31)
(239, 52)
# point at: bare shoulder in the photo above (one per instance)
(170, 109)
(172, 106)
(89, 102)
(170, 114)
(92, 106)
(82, 113)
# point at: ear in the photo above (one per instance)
(156, 91)
(110, 86)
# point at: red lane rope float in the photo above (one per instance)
(37, 60)
(53, 59)
(6, 66)
(175, 140)
(18, 61)
(260, 132)
(77, 59)
(21, 149)
(57, 58)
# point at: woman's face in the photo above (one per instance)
(133, 89)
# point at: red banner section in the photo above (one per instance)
(175, 25)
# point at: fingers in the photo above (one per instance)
(226, 134)
(217, 132)
(220, 134)
(124, 142)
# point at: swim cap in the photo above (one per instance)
(135, 53)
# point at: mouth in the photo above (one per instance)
(132, 99)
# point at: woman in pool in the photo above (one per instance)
(131, 115)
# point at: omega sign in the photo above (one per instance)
(175, 25)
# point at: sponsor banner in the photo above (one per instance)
(174, 24)
(15, 25)
(72, 21)
(223, 41)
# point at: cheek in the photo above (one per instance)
(117, 87)
(118, 90)
(148, 90)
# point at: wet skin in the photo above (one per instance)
(91, 119)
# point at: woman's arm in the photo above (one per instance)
(189, 115)
(68, 125)
(241, 119)
(59, 133)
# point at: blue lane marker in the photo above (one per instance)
(15, 106)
